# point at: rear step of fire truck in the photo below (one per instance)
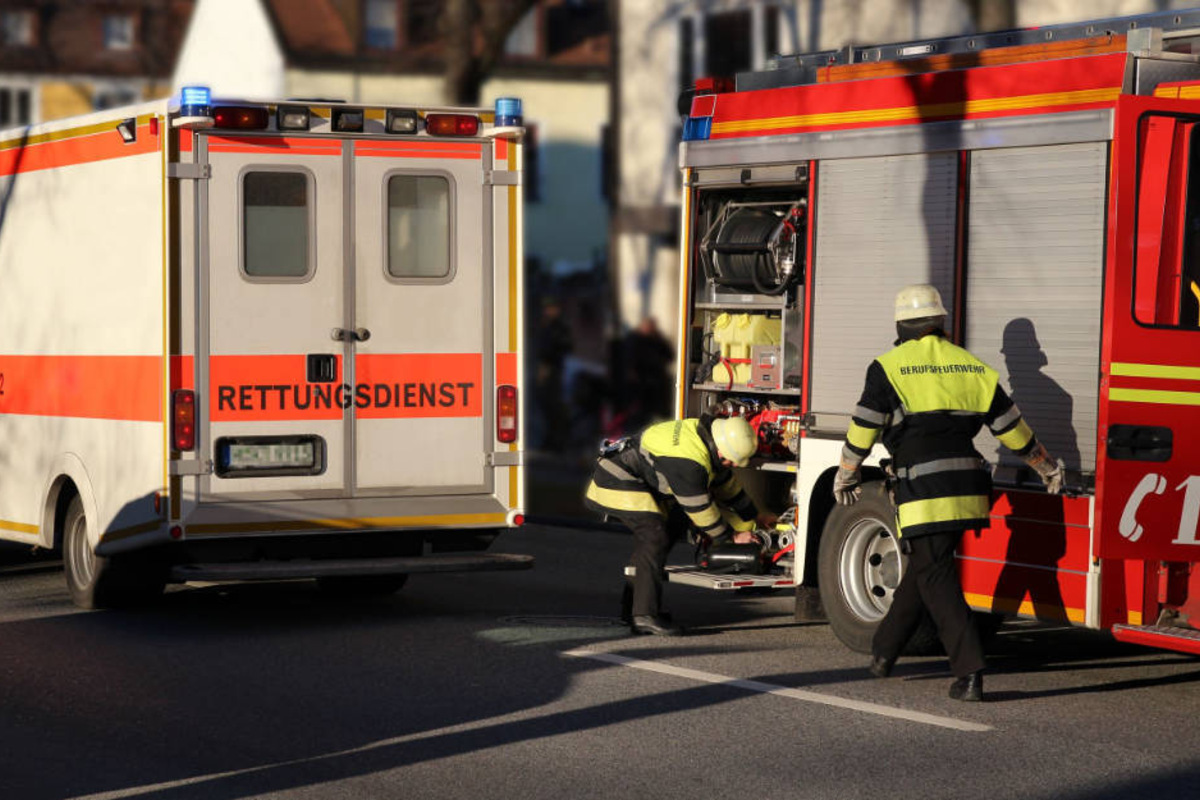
(689, 575)
(1183, 640)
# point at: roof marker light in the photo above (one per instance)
(292, 118)
(349, 120)
(401, 121)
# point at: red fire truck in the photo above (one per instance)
(1045, 181)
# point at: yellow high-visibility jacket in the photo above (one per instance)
(929, 398)
(672, 462)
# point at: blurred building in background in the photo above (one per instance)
(60, 58)
(664, 45)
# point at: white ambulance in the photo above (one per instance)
(247, 340)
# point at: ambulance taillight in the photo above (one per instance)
(506, 413)
(183, 419)
(247, 118)
(451, 124)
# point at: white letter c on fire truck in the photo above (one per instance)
(1150, 484)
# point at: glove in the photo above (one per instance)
(1051, 473)
(1047, 468)
(766, 520)
(846, 489)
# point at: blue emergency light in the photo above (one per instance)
(194, 101)
(508, 112)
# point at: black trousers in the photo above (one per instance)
(653, 538)
(931, 581)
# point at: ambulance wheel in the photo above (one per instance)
(349, 586)
(859, 565)
(98, 582)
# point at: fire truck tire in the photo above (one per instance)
(98, 582)
(859, 565)
(361, 585)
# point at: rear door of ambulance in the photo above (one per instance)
(342, 347)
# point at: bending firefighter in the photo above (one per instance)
(672, 476)
(929, 398)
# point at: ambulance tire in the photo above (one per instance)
(859, 565)
(355, 586)
(98, 582)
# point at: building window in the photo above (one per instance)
(421, 20)
(15, 106)
(418, 226)
(113, 97)
(16, 28)
(381, 24)
(687, 53)
(532, 164)
(771, 44)
(523, 40)
(275, 221)
(730, 46)
(118, 31)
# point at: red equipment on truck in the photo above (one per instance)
(1046, 181)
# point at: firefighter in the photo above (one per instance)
(658, 483)
(929, 398)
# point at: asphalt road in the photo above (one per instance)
(522, 685)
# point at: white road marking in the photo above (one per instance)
(781, 691)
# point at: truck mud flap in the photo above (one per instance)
(321, 568)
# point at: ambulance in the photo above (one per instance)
(248, 340)
(1047, 181)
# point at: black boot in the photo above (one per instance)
(968, 688)
(656, 625)
(627, 604)
(881, 667)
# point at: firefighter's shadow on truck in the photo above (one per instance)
(1036, 522)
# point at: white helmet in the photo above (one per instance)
(735, 439)
(917, 301)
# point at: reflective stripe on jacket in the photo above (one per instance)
(672, 462)
(929, 398)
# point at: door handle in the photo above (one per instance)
(1139, 443)
(344, 335)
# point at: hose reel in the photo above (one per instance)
(755, 247)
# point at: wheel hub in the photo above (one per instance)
(869, 569)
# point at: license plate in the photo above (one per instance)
(270, 456)
(245, 456)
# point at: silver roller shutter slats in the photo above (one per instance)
(1035, 261)
(882, 223)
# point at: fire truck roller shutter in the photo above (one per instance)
(1035, 264)
(882, 223)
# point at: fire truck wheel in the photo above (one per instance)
(361, 585)
(98, 582)
(859, 567)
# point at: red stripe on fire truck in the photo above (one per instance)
(1016, 89)
(386, 386)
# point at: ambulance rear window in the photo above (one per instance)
(418, 227)
(275, 224)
